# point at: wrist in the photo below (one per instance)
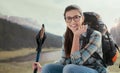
(76, 36)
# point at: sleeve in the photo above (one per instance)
(79, 57)
(63, 60)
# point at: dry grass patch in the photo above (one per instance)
(18, 67)
(15, 53)
(22, 52)
(24, 67)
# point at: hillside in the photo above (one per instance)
(15, 36)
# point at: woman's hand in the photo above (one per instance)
(75, 45)
(37, 65)
(80, 30)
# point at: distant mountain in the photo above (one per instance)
(21, 34)
(27, 22)
(115, 31)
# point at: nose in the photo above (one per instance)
(72, 21)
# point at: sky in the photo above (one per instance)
(50, 12)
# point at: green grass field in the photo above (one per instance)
(26, 66)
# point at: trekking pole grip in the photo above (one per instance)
(40, 38)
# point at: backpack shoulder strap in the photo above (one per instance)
(86, 39)
(108, 35)
(89, 32)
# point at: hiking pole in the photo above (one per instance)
(40, 38)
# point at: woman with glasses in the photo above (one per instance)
(76, 57)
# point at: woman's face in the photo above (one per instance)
(73, 19)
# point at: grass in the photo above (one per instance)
(19, 67)
(15, 67)
(15, 53)
(21, 52)
(26, 67)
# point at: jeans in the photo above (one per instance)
(70, 68)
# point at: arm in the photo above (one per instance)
(77, 33)
(80, 56)
(75, 44)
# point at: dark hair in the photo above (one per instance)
(72, 7)
(92, 19)
(69, 34)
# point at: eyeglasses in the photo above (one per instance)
(75, 18)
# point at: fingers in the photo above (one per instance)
(83, 28)
(37, 65)
(39, 69)
(34, 66)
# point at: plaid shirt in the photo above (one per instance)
(84, 55)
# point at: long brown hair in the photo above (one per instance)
(69, 34)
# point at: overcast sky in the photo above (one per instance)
(50, 12)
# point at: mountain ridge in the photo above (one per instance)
(16, 36)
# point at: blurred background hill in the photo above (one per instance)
(17, 32)
(115, 31)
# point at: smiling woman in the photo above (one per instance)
(77, 57)
(50, 13)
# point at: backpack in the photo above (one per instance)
(109, 47)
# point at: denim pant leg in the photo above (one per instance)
(52, 68)
(71, 68)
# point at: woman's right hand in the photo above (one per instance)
(37, 65)
(80, 30)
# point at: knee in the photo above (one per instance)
(68, 68)
(46, 68)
